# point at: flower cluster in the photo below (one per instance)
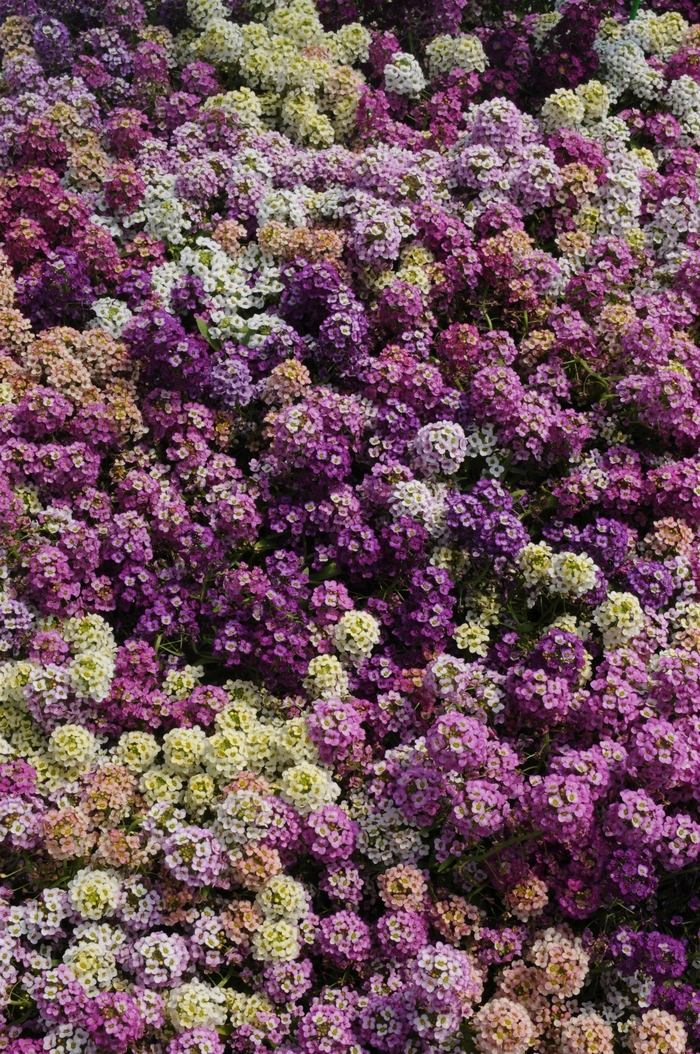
(349, 527)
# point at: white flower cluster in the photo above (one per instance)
(562, 109)
(220, 43)
(243, 102)
(473, 636)
(483, 610)
(93, 962)
(535, 563)
(161, 214)
(440, 447)
(683, 99)
(307, 787)
(446, 53)
(296, 76)
(183, 749)
(566, 574)
(73, 748)
(197, 1005)
(113, 316)
(660, 35)
(623, 50)
(620, 618)
(291, 207)
(180, 682)
(356, 634)
(326, 678)
(233, 285)
(137, 751)
(565, 108)
(202, 12)
(573, 574)
(403, 75)
(619, 199)
(283, 898)
(94, 894)
(276, 940)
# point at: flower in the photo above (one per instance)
(196, 1005)
(501, 1025)
(94, 894)
(657, 1030)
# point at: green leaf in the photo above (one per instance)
(204, 331)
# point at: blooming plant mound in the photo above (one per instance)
(349, 519)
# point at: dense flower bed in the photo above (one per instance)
(349, 515)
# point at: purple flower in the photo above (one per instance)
(344, 939)
(402, 934)
(194, 856)
(330, 834)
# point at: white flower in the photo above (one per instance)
(304, 122)
(356, 634)
(294, 744)
(446, 53)
(562, 109)
(424, 502)
(111, 315)
(184, 749)
(472, 636)
(349, 44)
(403, 75)
(619, 618)
(440, 447)
(326, 678)
(276, 940)
(13, 677)
(683, 99)
(298, 21)
(535, 563)
(200, 793)
(225, 755)
(307, 787)
(221, 43)
(89, 633)
(595, 98)
(243, 102)
(283, 898)
(72, 746)
(94, 894)
(137, 751)
(572, 574)
(201, 12)
(91, 674)
(197, 1005)
(179, 683)
(93, 964)
(660, 35)
(159, 784)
